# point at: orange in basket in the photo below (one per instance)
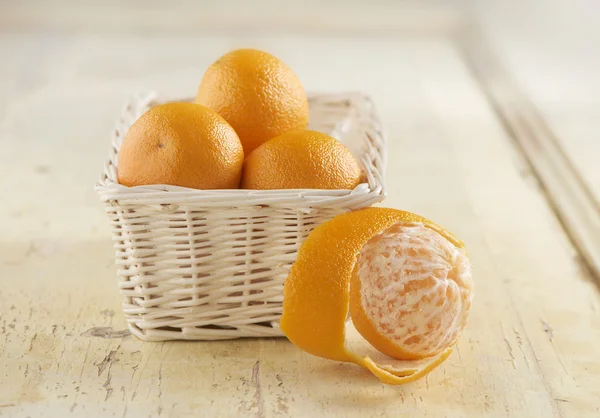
(405, 281)
(301, 160)
(256, 93)
(181, 144)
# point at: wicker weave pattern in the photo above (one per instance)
(210, 264)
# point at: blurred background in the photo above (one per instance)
(68, 67)
(542, 40)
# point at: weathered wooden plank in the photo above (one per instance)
(568, 184)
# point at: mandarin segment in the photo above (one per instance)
(321, 288)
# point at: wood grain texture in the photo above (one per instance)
(564, 180)
(530, 348)
(547, 50)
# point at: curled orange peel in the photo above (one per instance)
(317, 290)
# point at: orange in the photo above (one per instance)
(301, 160)
(256, 93)
(405, 281)
(181, 144)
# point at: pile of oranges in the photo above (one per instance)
(404, 281)
(246, 129)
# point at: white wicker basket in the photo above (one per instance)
(210, 264)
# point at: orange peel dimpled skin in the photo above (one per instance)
(301, 160)
(181, 144)
(258, 94)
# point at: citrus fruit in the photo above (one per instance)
(181, 144)
(256, 93)
(405, 281)
(301, 160)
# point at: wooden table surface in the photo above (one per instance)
(460, 154)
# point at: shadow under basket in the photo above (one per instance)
(210, 264)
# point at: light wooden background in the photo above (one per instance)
(477, 134)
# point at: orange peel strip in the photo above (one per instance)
(316, 292)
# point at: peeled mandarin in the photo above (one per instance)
(410, 292)
(405, 280)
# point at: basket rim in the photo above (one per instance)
(110, 190)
